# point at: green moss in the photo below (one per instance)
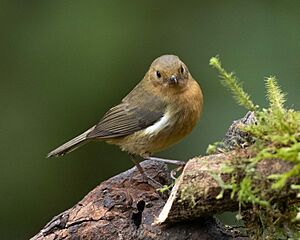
(212, 148)
(277, 136)
(231, 82)
(187, 194)
(165, 188)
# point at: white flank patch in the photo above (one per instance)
(159, 125)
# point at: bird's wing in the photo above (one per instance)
(129, 117)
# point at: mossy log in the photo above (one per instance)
(196, 191)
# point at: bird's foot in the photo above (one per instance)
(151, 181)
(145, 177)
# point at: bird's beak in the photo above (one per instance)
(173, 80)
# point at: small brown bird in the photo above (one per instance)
(161, 110)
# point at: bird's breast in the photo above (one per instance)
(179, 118)
(168, 130)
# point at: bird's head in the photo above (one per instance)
(168, 72)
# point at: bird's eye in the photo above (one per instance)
(158, 74)
(181, 69)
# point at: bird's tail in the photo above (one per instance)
(71, 145)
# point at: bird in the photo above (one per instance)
(161, 109)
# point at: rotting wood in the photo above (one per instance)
(124, 207)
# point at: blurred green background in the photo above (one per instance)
(64, 63)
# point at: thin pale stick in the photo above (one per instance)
(175, 162)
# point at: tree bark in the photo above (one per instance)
(125, 207)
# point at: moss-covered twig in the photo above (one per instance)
(230, 81)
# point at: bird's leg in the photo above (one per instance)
(175, 162)
(147, 178)
(180, 164)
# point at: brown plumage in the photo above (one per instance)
(162, 109)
